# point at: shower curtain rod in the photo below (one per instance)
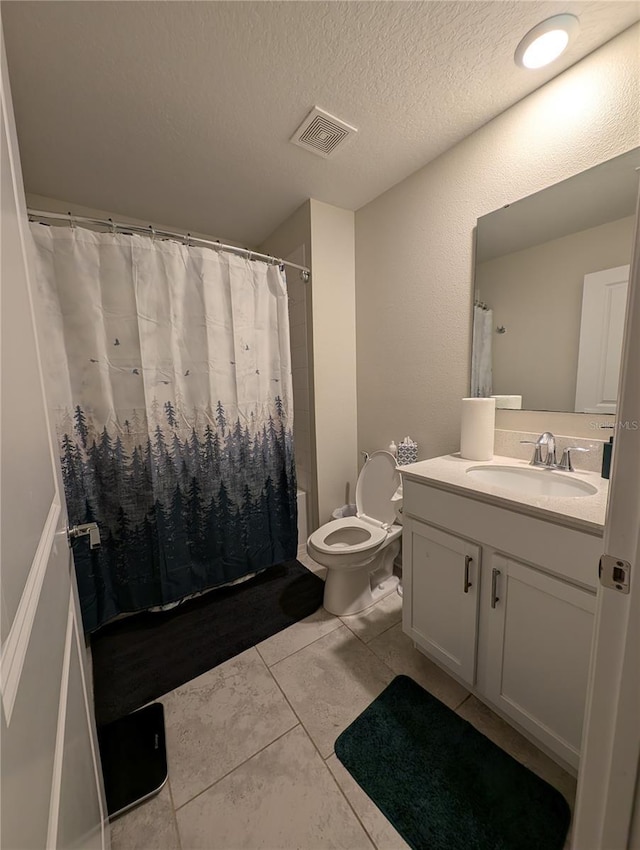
(151, 231)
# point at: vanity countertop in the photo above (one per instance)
(584, 513)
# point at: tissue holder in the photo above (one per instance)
(407, 453)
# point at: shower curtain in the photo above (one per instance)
(481, 373)
(170, 376)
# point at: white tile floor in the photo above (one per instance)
(250, 743)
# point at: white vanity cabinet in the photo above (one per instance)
(445, 623)
(506, 603)
(538, 643)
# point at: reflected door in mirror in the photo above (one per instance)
(604, 301)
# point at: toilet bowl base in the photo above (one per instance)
(352, 591)
(386, 588)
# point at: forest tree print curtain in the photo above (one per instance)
(170, 377)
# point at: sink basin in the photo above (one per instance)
(530, 481)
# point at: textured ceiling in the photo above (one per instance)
(180, 112)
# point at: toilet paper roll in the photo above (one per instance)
(477, 426)
(508, 402)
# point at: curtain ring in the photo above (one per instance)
(72, 223)
(153, 232)
(113, 226)
(187, 240)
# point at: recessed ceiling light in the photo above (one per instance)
(546, 41)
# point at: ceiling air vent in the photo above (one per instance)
(322, 133)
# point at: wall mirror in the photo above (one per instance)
(551, 274)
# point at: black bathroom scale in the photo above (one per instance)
(134, 758)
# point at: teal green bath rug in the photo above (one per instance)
(444, 785)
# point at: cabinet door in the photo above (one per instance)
(539, 645)
(441, 576)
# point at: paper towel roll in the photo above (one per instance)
(508, 402)
(477, 426)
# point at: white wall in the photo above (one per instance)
(536, 294)
(414, 244)
(334, 354)
(328, 233)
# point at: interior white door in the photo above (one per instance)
(51, 783)
(608, 782)
(604, 302)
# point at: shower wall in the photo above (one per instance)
(292, 241)
(297, 290)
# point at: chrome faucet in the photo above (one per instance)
(549, 442)
(550, 461)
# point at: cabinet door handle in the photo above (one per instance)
(494, 587)
(467, 561)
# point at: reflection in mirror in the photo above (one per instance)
(550, 292)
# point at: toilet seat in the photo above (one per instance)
(334, 537)
(359, 551)
(378, 481)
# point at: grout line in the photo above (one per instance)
(299, 723)
(244, 761)
(463, 701)
(395, 673)
(376, 656)
(240, 764)
(324, 761)
(348, 802)
(374, 653)
(295, 652)
(261, 656)
(295, 714)
(302, 648)
(173, 811)
(286, 699)
(383, 632)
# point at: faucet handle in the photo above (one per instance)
(537, 454)
(565, 463)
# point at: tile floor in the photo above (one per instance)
(250, 743)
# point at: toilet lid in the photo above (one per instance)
(377, 482)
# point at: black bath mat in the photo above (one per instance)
(134, 758)
(444, 785)
(139, 658)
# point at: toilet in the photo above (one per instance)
(359, 551)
